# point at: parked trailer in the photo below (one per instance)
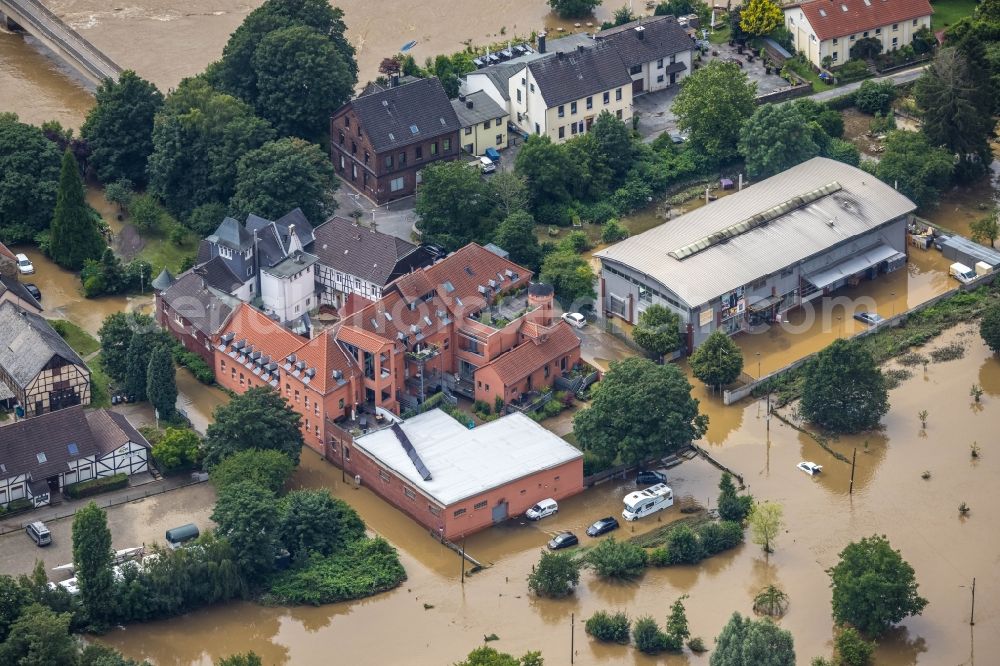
(645, 502)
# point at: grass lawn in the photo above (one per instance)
(720, 36)
(950, 12)
(160, 252)
(83, 343)
(100, 393)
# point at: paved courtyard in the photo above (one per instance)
(396, 218)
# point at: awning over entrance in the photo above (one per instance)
(763, 304)
(853, 265)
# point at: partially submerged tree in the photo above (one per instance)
(555, 575)
(92, 558)
(74, 237)
(765, 524)
(844, 390)
(718, 361)
(747, 642)
(989, 327)
(658, 331)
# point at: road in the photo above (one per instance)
(898, 78)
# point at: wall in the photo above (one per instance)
(184, 332)
(68, 376)
(489, 385)
(288, 297)
(474, 82)
(482, 138)
(337, 284)
(584, 115)
(815, 51)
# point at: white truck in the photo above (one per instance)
(642, 503)
(962, 273)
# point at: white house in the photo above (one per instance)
(560, 96)
(657, 51)
(41, 456)
(829, 28)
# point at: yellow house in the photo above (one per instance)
(484, 123)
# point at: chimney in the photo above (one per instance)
(461, 98)
(741, 182)
(559, 54)
(639, 30)
(580, 48)
(541, 42)
(468, 104)
(394, 80)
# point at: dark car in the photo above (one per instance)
(34, 291)
(651, 477)
(563, 540)
(870, 318)
(602, 526)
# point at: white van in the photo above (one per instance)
(962, 273)
(644, 502)
(546, 507)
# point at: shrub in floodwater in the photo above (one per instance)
(717, 537)
(912, 358)
(950, 352)
(926, 475)
(617, 559)
(697, 645)
(976, 392)
(771, 601)
(491, 637)
(648, 637)
(851, 649)
(963, 508)
(922, 415)
(974, 450)
(896, 376)
(609, 628)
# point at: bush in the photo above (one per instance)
(648, 637)
(851, 649)
(196, 364)
(989, 327)
(593, 464)
(575, 241)
(875, 98)
(617, 559)
(555, 575)
(96, 486)
(659, 557)
(482, 407)
(697, 645)
(17, 505)
(609, 628)
(717, 537)
(853, 70)
(178, 449)
(269, 469)
(613, 231)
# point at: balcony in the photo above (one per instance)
(423, 355)
(506, 309)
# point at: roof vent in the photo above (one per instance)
(300, 365)
(290, 358)
(388, 317)
(311, 372)
(392, 137)
(414, 129)
(385, 102)
(822, 12)
(337, 374)
(639, 30)
(482, 289)
(427, 320)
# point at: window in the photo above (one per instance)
(288, 390)
(835, 41)
(607, 97)
(222, 365)
(446, 145)
(367, 156)
(590, 102)
(538, 128)
(296, 395)
(341, 162)
(659, 79)
(562, 132)
(895, 27)
(347, 121)
(232, 374)
(388, 161)
(341, 404)
(878, 31)
(419, 151)
(306, 401)
(866, 33)
(315, 408)
(341, 137)
(572, 108)
(522, 80)
(396, 184)
(402, 159)
(498, 122)
(487, 387)
(242, 379)
(618, 114)
(459, 513)
(486, 125)
(354, 148)
(546, 370)
(659, 64)
(812, 38)
(480, 505)
(618, 94)
(409, 492)
(852, 37)
(572, 129)
(915, 21)
(354, 176)
(434, 148)
(673, 59)
(499, 139)
(532, 86)
(316, 430)
(518, 94)
(434, 510)
(561, 111)
(347, 453)
(895, 42)
(635, 69)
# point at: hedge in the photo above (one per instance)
(14, 506)
(196, 364)
(96, 486)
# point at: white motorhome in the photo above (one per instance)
(644, 502)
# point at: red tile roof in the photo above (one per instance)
(471, 267)
(839, 18)
(5, 251)
(531, 355)
(326, 355)
(265, 334)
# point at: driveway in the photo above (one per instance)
(395, 218)
(897, 78)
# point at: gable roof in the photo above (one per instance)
(333, 367)
(838, 18)
(15, 287)
(532, 354)
(218, 274)
(406, 114)
(51, 435)
(5, 252)
(111, 430)
(662, 36)
(577, 74)
(262, 333)
(204, 306)
(483, 108)
(470, 267)
(27, 343)
(371, 255)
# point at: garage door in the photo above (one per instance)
(500, 512)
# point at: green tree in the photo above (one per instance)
(639, 411)
(115, 335)
(850, 649)
(989, 327)
(617, 559)
(570, 275)
(732, 506)
(765, 524)
(866, 48)
(712, 106)
(873, 97)
(623, 15)
(609, 628)
(283, 175)
(269, 468)
(842, 151)
(39, 637)
(718, 361)
(29, 180)
(574, 8)
(677, 623)
(776, 138)
(140, 349)
(747, 642)
(555, 575)
(613, 231)
(547, 169)
(146, 213)
(241, 659)
(508, 192)
(658, 331)
(73, 236)
(453, 205)
(161, 383)
(257, 419)
(844, 390)
(761, 17)
(92, 558)
(205, 219)
(516, 234)
(873, 587)
(828, 119)
(178, 448)
(919, 170)
(13, 599)
(683, 546)
(120, 192)
(986, 230)
(119, 128)
(247, 517)
(313, 521)
(487, 656)
(613, 142)
(647, 636)
(98, 654)
(675, 8)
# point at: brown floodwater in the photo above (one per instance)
(197, 400)
(920, 517)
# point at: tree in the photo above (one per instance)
(875, 97)
(718, 361)
(732, 506)
(29, 177)
(613, 143)
(658, 331)
(986, 230)
(777, 137)
(178, 448)
(140, 349)
(241, 659)
(828, 119)
(712, 105)
(269, 468)
(873, 586)
(574, 8)
(92, 558)
(119, 128)
(98, 654)
(516, 234)
(13, 599)
(120, 192)
(205, 219)
(765, 524)
(487, 656)
(283, 175)
(609, 628)
(257, 419)
(508, 192)
(161, 384)
(647, 636)
(74, 237)
(866, 48)
(247, 516)
(146, 214)
(639, 411)
(623, 15)
(613, 231)
(39, 637)
(453, 204)
(677, 623)
(761, 17)
(115, 335)
(989, 327)
(747, 642)
(851, 649)
(844, 390)
(920, 170)
(547, 169)
(570, 275)
(312, 521)
(675, 8)
(842, 151)
(683, 546)
(555, 575)
(617, 559)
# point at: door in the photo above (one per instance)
(673, 79)
(637, 86)
(500, 512)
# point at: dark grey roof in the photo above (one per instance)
(232, 234)
(163, 280)
(303, 228)
(483, 109)
(371, 255)
(27, 343)
(14, 286)
(275, 235)
(675, 67)
(204, 252)
(574, 75)
(569, 42)
(375, 86)
(662, 36)
(270, 249)
(50, 435)
(205, 307)
(218, 274)
(112, 430)
(294, 263)
(400, 116)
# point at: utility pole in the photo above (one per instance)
(853, 458)
(972, 612)
(572, 637)
(463, 559)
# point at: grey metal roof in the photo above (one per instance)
(27, 343)
(232, 234)
(290, 265)
(973, 250)
(407, 114)
(577, 74)
(662, 37)
(569, 43)
(218, 274)
(370, 255)
(163, 280)
(483, 109)
(861, 204)
(205, 307)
